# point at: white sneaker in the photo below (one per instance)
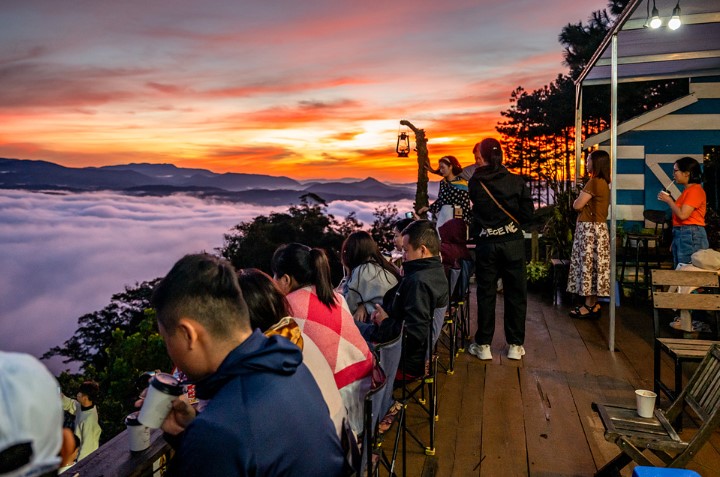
(516, 351)
(480, 351)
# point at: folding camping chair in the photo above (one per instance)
(634, 434)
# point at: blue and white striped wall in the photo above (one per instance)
(649, 144)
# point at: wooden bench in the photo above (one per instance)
(681, 350)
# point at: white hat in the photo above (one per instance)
(30, 413)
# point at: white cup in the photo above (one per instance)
(162, 391)
(645, 402)
(139, 434)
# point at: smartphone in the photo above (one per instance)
(409, 215)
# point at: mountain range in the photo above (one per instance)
(165, 179)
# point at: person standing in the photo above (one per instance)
(87, 425)
(453, 193)
(688, 211)
(589, 274)
(500, 203)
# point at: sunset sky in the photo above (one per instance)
(307, 89)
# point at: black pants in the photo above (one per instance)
(504, 260)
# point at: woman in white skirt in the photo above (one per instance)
(589, 274)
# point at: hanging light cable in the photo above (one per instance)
(675, 22)
(655, 21)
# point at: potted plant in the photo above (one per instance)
(538, 275)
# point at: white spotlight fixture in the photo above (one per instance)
(675, 22)
(655, 21)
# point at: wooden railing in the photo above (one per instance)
(114, 459)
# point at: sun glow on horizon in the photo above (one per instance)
(277, 88)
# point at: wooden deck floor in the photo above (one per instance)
(534, 417)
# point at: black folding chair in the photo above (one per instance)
(460, 304)
(372, 413)
(389, 355)
(422, 390)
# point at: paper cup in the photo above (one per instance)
(139, 434)
(645, 402)
(161, 392)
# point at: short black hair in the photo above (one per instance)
(91, 389)
(400, 225)
(205, 288)
(423, 232)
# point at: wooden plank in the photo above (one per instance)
(572, 354)
(686, 349)
(553, 426)
(503, 429)
(634, 340)
(114, 459)
(686, 301)
(468, 429)
(539, 347)
(684, 278)
(586, 389)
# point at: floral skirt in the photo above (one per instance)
(590, 262)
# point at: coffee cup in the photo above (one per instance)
(645, 401)
(139, 435)
(162, 391)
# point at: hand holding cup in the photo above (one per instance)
(180, 416)
(664, 196)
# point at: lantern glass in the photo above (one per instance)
(403, 145)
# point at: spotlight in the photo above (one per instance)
(675, 22)
(655, 21)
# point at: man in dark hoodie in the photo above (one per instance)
(501, 202)
(421, 294)
(266, 415)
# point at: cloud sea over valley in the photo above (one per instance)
(65, 254)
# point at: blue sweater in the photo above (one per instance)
(266, 417)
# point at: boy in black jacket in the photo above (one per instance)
(422, 293)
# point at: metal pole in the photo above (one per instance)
(578, 130)
(613, 189)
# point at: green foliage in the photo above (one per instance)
(537, 272)
(251, 244)
(89, 345)
(560, 227)
(539, 130)
(114, 347)
(382, 227)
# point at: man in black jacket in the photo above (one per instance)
(422, 293)
(501, 202)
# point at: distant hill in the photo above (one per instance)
(369, 186)
(166, 179)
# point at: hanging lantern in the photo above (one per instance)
(403, 145)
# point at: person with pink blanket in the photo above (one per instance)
(303, 274)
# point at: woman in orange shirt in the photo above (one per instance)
(688, 211)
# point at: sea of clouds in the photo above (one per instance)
(65, 254)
